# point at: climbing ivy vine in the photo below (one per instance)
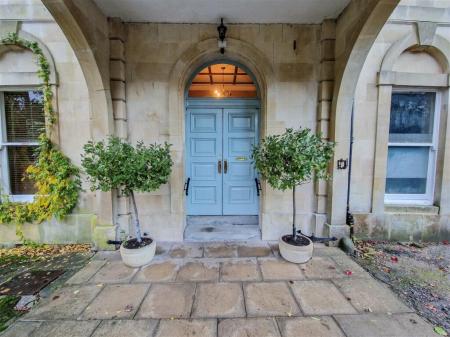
(57, 180)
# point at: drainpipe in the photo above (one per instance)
(349, 220)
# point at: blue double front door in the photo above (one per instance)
(219, 139)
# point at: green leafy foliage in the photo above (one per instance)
(55, 177)
(118, 165)
(57, 181)
(292, 158)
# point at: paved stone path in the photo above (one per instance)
(222, 290)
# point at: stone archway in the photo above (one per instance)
(356, 31)
(87, 31)
(203, 53)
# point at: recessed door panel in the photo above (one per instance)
(204, 147)
(238, 195)
(203, 122)
(241, 122)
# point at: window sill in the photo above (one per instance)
(414, 209)
(22, 198)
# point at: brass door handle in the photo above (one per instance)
(219, 166)
(225, 166)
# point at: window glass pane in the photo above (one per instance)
(407, 169)
(412, 115)
(19, 158)
(24, 113)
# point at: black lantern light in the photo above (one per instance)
(222, 29)
(342, 164)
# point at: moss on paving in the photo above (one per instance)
(7, 312)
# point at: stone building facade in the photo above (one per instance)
(130, 79)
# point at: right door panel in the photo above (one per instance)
(239, 135)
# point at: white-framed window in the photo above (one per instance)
(22, 121)
(413, 139)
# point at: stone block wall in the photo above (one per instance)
(153, 50)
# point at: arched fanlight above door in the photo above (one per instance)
(222, 81)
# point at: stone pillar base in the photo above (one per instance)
(101, 234)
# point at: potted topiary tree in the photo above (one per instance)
(118, 165)
(286, 161)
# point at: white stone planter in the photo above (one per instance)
(138, 257)
(296, 254)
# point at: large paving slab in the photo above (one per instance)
(231, 289)
(215, 250)
(158, 271)
(239, 270)
(277, 269)
(116, 301)
(321, 297)
(87, 272)
(322, 326)
(269, 299)
(114, 272)
(21, 329)
(187, 328)
(65, 328)
(173, 300)
(198, 271)
(384, 325)
(67, 303)
(251, 250)
(219, 300)
(347, 264)
(368, 295)
(250, 327)
(321, 268)
(129, 328)
(181, 251)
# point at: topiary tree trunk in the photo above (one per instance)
(137, 225)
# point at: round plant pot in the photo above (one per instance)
(139, 256)
(296, 253)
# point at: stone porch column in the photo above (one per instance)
(117, 36)
(326, 84)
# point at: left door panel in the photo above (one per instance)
(203, 161)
